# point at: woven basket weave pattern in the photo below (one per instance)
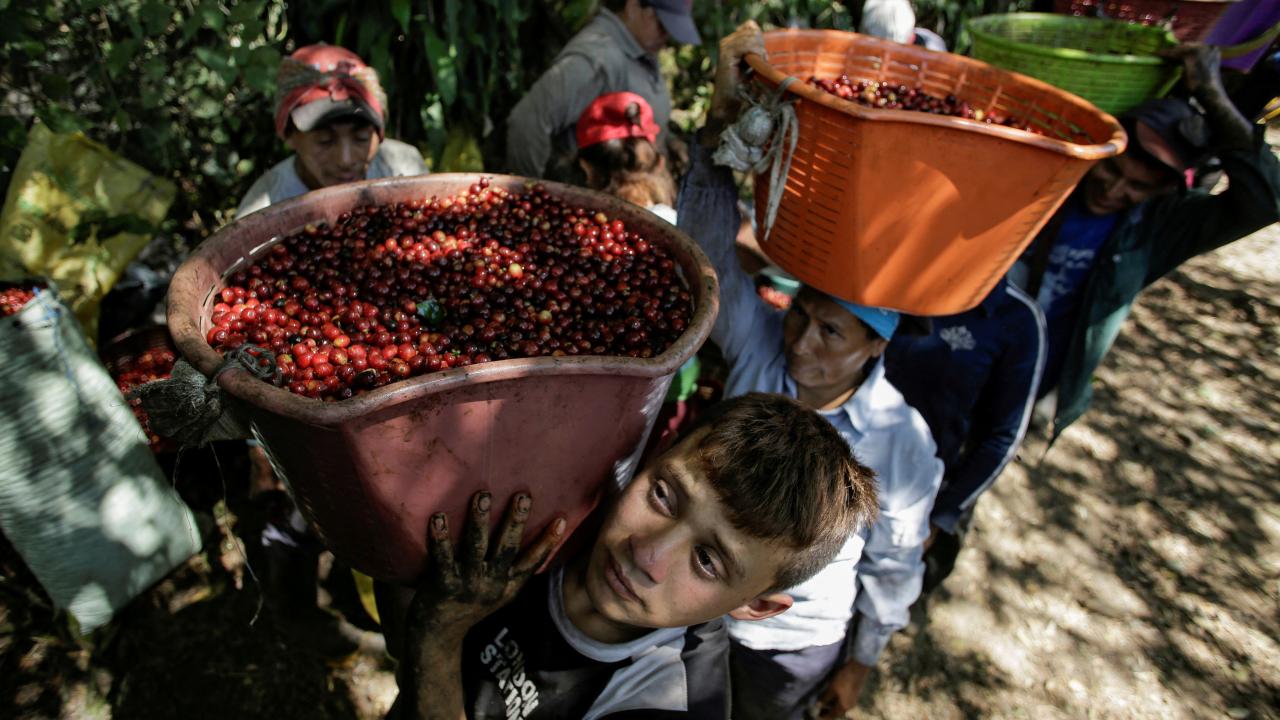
(1109, 63)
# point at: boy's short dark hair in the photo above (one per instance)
(785, 474)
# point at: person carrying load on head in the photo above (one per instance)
(826, 353)
(1133, 220)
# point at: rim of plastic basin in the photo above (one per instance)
(979, 27)
(189, 296)
(1114, 144)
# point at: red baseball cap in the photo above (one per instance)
(614, 116)
(321, 83)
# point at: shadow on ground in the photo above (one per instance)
(1135, 571)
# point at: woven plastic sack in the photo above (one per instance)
(81, 496)
(77, 214)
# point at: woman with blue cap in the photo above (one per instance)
(825, 352)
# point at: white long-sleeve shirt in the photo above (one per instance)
(282, 182)
(880, 569)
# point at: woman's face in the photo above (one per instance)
(335, 154)
(825, 345)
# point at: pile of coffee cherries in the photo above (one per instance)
(891, 96)
(1115, 10)
(394, 291)
(131, 372)
(13, 298)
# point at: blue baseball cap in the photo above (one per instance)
(884, 322)
(677, 19)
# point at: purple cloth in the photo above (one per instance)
(1244, 21)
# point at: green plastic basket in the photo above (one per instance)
(1111, 64)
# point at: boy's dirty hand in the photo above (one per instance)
(462, 587)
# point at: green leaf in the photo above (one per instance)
(204, 107)
(13, 132)
(251, 30)
(61, 120)
(151, 99)
(341, 31)
(56, 87)
(245, 11)
(120, 54)
(135, 27)
(260, 78)
(218, 62)
(266, 56)
(155, 17)
(442, 58)
(382, 60)
(155, 69)
(211, 15)
(240, 55)
(191, 26)
(400, 11)
(431, 312)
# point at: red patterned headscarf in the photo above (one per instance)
(327, 72)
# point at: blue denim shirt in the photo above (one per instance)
(880, 569)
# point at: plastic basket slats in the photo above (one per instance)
(914, 211)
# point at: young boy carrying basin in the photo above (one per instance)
(756, 499)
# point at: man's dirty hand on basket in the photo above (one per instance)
(746, 40)
(464, 584)
(1226, 129)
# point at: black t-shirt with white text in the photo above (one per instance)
(528, 661)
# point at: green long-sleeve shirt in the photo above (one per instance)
(1147, 245)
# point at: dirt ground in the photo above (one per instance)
(1133, 571)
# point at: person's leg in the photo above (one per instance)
(776, 685)
(940, 558)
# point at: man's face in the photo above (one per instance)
(667, 555)
(335, 154)
(825, 345)
(645, 26)
(1119, 183)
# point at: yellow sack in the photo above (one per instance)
(77, 214)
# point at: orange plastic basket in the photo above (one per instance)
(911, 211)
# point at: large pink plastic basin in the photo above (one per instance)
(369, 472)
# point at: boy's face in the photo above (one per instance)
(335, 154)
(667, 555)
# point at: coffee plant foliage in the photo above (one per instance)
(183, 89)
